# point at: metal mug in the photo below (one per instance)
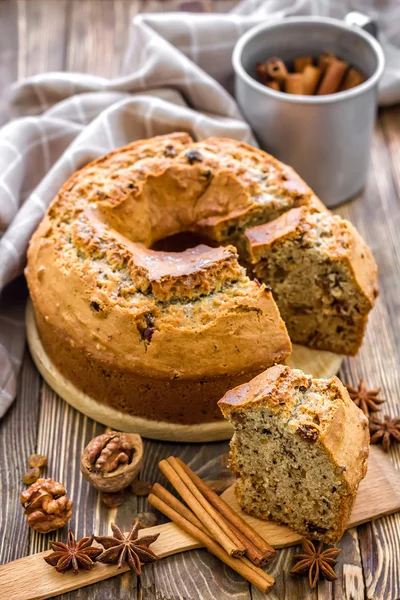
(326, 139)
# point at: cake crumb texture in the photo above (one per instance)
(322, 274)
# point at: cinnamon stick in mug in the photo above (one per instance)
(325, 59)
(294, 83)
(333, 77)
(311, 76)
(352, 79)
(276, 69)
(301, 62)
(274, 85)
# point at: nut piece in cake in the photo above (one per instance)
(299, 450)
(322, 274)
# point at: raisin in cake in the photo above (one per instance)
(299, 450)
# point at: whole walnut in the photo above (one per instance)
(112, 460)
(46, 505)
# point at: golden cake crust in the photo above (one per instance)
(331, 421)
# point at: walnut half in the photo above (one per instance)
(46, 505)
(111, 461)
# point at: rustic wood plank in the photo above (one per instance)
(58, 418)
(350, 582)
(381, 477)
(376, 214)
(42, 29)
(97, 37)
(18, 431)
(390, 122)
(62, 435)
(19, 26)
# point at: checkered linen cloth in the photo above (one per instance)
(177, 76)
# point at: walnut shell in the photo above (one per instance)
(111, 461)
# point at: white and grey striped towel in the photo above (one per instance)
(177, 76)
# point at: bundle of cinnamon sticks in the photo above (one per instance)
(325, 75)
(211, 521)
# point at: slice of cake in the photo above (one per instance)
(299, 450)
(322, 274)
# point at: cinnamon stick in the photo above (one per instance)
(294, 84)
(179, 507)
(214, 514)
(274, 85)
(333, 77)
(352, 79)
(241, 565)
(206, 514)
(174, 503)
(301, 62)
(325, 59)
(276, 69)
(311, 76)
(257, 549)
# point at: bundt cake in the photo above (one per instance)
(159, 334)
(323, 276)
(299, 450)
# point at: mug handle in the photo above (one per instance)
(358, 19)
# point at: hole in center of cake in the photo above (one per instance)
(181, 241)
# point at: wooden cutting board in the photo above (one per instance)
(317, 363)
(30, 578)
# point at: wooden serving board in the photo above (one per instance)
(318, 363)
(378, 495)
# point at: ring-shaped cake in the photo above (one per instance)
(161, 335)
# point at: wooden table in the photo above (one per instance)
(90, 36)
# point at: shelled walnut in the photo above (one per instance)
(111, 461)
(46, 504)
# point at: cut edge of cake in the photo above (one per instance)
(322, 274)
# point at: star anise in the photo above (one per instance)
(73, 555)
(316, 562)
(121, 548)
(365, 399)
(383, 432)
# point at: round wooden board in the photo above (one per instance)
(318, 364)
